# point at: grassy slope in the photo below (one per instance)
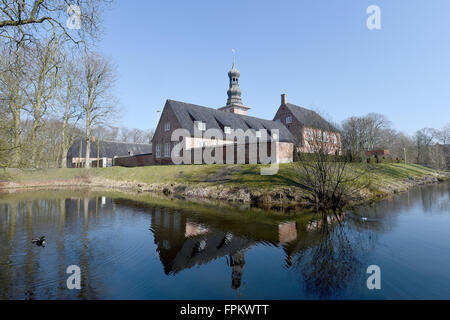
(236, 183)
(226, 175)
(247, 176)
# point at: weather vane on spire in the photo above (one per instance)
(234, 56)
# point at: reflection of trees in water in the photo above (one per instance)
(8, 217)
(21, 273)
(336, 261)
(435, 198)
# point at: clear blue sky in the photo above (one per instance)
(320, 53)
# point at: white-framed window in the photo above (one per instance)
(258, 134)
(167, 149)
(227, 130)
(335, 138)
(201, 125)
(326, 136)
(274, 136)
(167, 126)
(158, 150)
(288, 119)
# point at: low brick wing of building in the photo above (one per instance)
(104, 152)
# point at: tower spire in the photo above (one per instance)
(234, 101)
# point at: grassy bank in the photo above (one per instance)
(242, 183)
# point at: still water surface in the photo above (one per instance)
(144, 248)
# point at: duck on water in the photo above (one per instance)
(40, 242)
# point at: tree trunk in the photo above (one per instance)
(64, 144)
(16, 134)
(88, 139)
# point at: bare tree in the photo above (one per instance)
(354, 141)
(76, 20)
(326, 176)
(437, 159)
(43, 66)
(106, 132)
(376, 126)
(125, 134)
(5, 145)
(444, 134)
(424, 139)
(360, 134)
(98, 103)
(37, 96)
(403, 146)
(69, 99)
(14, 85)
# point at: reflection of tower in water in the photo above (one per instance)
(237, 263)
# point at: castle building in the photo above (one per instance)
(292, 129)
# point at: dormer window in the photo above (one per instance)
(201, 126)
(227, 130)
(274, 136)
(167, 126)
(258, 134)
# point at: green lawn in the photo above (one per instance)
(227, 175)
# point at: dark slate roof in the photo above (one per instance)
(187, 113)
(310, 118)
(109, 149)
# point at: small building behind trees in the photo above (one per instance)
(103, 152)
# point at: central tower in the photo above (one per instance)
(234, 101)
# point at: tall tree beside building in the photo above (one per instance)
(425, 138)
(69, 99)
(360, 134)
(444, 134)
(98, 103)
(14, 85)
(78, 21)
(5, 146)
(43, 72)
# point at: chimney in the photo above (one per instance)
(283, 99)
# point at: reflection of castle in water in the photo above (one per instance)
(184, 242)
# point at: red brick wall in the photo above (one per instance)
(295, 127)
(162, 137)
(284, 150)
(298, 131)
(135, 161)
(312, 144)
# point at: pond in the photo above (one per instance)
(140, 247)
